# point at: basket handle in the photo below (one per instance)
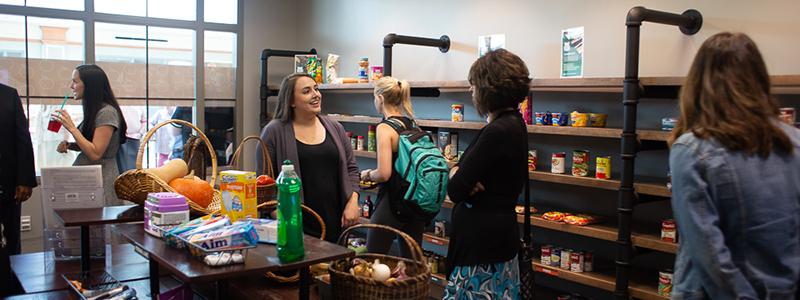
(416, 251)
(273, 203)
(152, 131)
(266, 168)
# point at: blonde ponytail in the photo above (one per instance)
(395, 93)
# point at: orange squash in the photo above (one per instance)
(195, 189)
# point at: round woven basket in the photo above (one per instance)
(134, 185)
(345, 286)
(267, 192)
(296, 275)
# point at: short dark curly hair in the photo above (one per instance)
(500, 80)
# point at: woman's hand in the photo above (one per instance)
(453, 171)
(351, 212)
(62, 147)
(65, 119)
(365, 175)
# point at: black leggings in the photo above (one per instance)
(379, 241)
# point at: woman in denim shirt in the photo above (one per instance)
(736, 180)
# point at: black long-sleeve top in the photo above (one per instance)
(484, 225)
(16, 152)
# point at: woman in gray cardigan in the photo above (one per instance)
(320, 151)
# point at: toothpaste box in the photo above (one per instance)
(238, 194)
(164, 210)
(267, 230)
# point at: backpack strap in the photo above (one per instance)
(399, 125)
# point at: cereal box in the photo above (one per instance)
(238, 194)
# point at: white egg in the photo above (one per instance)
(380, 272)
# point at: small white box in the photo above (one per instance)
(267, 230)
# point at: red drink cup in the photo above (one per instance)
(54, 125)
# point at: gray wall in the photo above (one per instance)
(355, 28)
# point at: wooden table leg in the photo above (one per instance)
(305, 277)
(155, 286)
(222, 289)
(85, 252)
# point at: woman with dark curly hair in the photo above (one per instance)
(485, 185)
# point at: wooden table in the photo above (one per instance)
(258, 261)
(85, 217)
(37, 273)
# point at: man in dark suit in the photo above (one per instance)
(17, 177)
(17, 174)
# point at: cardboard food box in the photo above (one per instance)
(238, 194)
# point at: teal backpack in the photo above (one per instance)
(424, 172)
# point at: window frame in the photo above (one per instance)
(88, 16)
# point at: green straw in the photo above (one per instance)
(66, 96)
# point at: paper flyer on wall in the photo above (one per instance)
(572, 52)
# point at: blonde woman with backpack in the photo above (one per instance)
(393, 101)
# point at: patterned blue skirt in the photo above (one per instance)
(487, 281)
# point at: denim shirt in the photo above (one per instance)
(738, 219)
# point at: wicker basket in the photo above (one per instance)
(296, 276)
(263, 192)
(135, 184)
(345, 286)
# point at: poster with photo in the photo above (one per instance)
(572, 52)
(488, 43)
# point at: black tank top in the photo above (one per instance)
(319, 165)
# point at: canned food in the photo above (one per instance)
(555, 258)
(668, 231)
(580, 163)
(547, 251)
(603, 170)
(457, 114)
(360, 143)
(532, 160)
(576, 262)
(565, 259)
(665, 283)
(557, 163)
(439, 227)
(787, 114)
(597, 120)
(667, 124)
(579, 119)
(588, 261)
(539, 117)
(434, 263)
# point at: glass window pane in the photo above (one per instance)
(120, 51)
(173, 9)
(171, 79)
(55, 48)
(13, 2)
(12, 52)
(121, 7)
(60, 4)
(220, 89)
(220, 11)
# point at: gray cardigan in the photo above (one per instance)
(282, 145)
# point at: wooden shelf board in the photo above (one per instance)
(606, 184)
(430, 238)
(603, 232)
(367, 154)
(654, 242)
(450, 124)
(781, 84)
(599, 280)
(439, 280)
(598, 231)
(355, 119)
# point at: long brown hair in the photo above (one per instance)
(727, 97)
(284, 110)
